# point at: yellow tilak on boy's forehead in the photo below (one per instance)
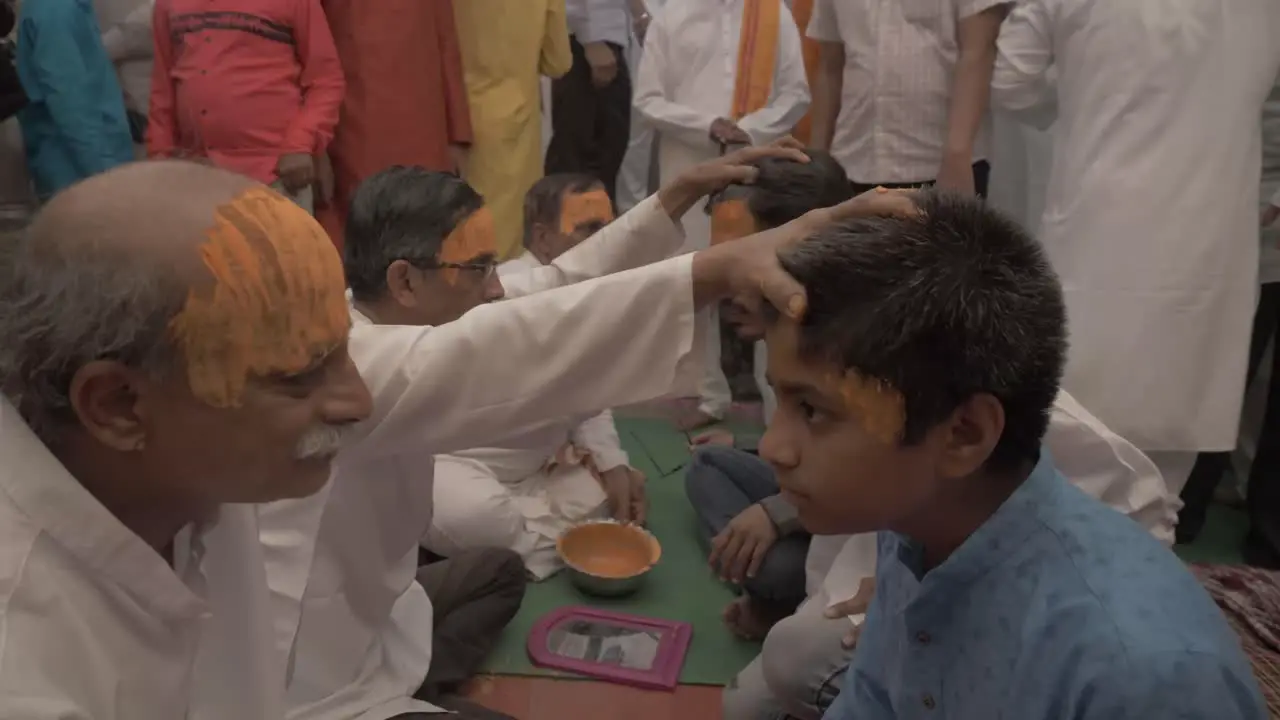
(880, 407)
(276, 300)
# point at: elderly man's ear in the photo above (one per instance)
(109, 400)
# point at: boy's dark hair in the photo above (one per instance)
(542, 202)
(785, 189)
(401, 213)
(956, 302)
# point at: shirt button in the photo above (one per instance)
(923, 638)
(928, 701)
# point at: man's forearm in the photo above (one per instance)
(971, 83)
(827, 87)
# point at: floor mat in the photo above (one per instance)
(681, 587)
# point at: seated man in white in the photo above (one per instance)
(354, 623)
(524, 498)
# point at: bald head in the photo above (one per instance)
(154, 212)
(108, 268)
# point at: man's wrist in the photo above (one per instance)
(678, 197)
(710, 271)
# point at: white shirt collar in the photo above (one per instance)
(38, 485)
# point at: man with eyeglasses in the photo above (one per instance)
(522, 498)
(367, 631)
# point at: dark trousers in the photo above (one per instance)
(590, 126)
(1262, 495)
(981, 177)
(474, 594)
(722, 482)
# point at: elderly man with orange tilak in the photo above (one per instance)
(153, 373)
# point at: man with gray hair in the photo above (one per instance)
(154, 372)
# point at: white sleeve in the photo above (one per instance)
(789, 100)
(131, 38)
(599, 436)
(502, 369)
(1108, 467)
(644, 235)
(1275, 199)
(822, 23)
(1023, 81)
(691, 127)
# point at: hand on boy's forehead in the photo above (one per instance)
(731, 220)
(274, 302)
(590, 210)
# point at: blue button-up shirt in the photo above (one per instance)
(1057, 608)
(74, 125)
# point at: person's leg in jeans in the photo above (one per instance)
(721, 483)
(1198, 493)
(474, 594)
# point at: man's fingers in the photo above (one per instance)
(748, 155)
(736, 566)
(1270, 215)
(880, 202)
(757, 558)
(718, 544)
(787, 141)
(783, 292)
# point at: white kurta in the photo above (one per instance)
(1087, 453)
(1151, 215)
(686, 80)
(509, 496)
(94, 624)
(358, 628)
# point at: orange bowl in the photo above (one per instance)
(605, 557)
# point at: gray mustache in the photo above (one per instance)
(321, 441)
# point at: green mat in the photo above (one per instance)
(681, 587)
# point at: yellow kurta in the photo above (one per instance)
(506, 46)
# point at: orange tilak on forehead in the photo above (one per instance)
(880, 407)
(731, 220)
(276, 301)
(471, 241)
(582, 208)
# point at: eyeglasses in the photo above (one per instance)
(486, 269)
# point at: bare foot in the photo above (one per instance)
(747, 619)
(694, 420)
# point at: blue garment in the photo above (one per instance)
(74, 125)
(1057, 608)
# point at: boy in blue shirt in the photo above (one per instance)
(912, 400)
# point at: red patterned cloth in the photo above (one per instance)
(1250, 598)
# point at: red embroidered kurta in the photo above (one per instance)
(242, 82)
(405, 101)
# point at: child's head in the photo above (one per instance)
(929, 356)
(783, 191)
